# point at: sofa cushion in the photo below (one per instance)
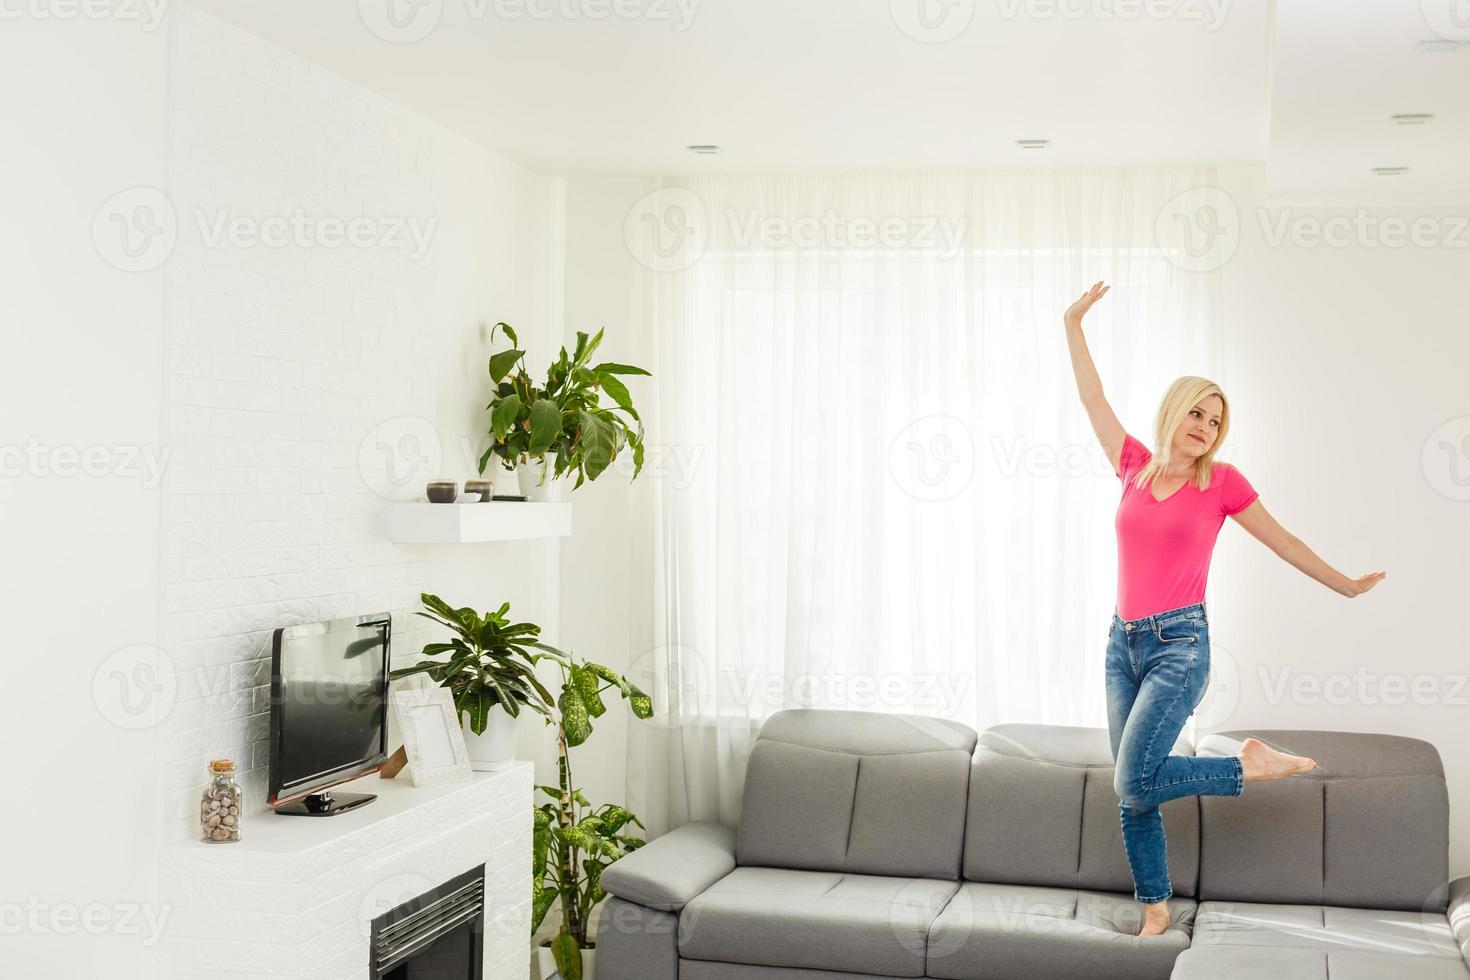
(1324, 927)
(1042, 811)
(1368, 828)
(856, 791)
(1024, 931)
(819, 920)
(1264, 963)
(1459, 914)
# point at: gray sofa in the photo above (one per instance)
(894, 846)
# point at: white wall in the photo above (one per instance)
(80, 408)
(1342, 361)
(181, 435)
(294, 372)
(606, 563)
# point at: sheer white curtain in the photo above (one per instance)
(872, 483)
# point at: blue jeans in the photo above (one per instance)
(1157, 670)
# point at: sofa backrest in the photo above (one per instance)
(906, 795)
(1042, 811)
(1369, 828)
(856, 791)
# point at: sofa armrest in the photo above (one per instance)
(1459, 914)
(669, 871)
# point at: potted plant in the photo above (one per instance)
(565, 418)
(491, 673)
(574, 841)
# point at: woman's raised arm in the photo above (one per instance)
(1105, 424)
(1291, 549)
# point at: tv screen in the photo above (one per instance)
(329, 704)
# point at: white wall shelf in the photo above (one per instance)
(494, 520)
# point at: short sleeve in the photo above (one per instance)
(1236, 492)
(1132, 458)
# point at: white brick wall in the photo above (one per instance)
(280, 360)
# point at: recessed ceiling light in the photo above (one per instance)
(1439, 46)
(1389, 171)
(1411, 118)
(703, 149)
(1033, 144)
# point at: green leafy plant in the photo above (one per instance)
(488, 662)
(566, 415)
(574, 841)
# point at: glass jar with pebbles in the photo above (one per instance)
(219, 810)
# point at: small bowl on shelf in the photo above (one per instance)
(442, 491)
(481, 488)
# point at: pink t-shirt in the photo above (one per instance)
(1164, 546)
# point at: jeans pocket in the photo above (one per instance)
(1180, 631)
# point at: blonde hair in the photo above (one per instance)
(1183, 395)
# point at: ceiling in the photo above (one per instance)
(1339, 71)
(624, 86)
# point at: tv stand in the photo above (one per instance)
(324, 804)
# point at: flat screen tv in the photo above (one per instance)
(329, 712)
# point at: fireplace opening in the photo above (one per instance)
(440, 935)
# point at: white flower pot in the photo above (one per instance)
(496, 748)
(547, 962)
(503, 479)
(536, 482)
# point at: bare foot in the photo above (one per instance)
(1261, 762)
(1156, 919)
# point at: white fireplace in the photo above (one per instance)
(297, 896)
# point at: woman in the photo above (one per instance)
(1158, 656)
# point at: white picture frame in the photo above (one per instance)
(429, 726)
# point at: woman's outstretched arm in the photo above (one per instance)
(1290, 548)
(1105, 423)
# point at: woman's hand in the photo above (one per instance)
(1075, 312)
(1358, 586)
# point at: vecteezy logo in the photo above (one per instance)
(401, 21)
(932, 21)
(135, 687)
(674, 676)
(399, 456)
(933, 458)
(1450, 19)
(1446, 458)
(1222, 695)
(1199, 229)
(135, 230)
(667, 230)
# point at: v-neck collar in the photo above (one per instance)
(1177, 491)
